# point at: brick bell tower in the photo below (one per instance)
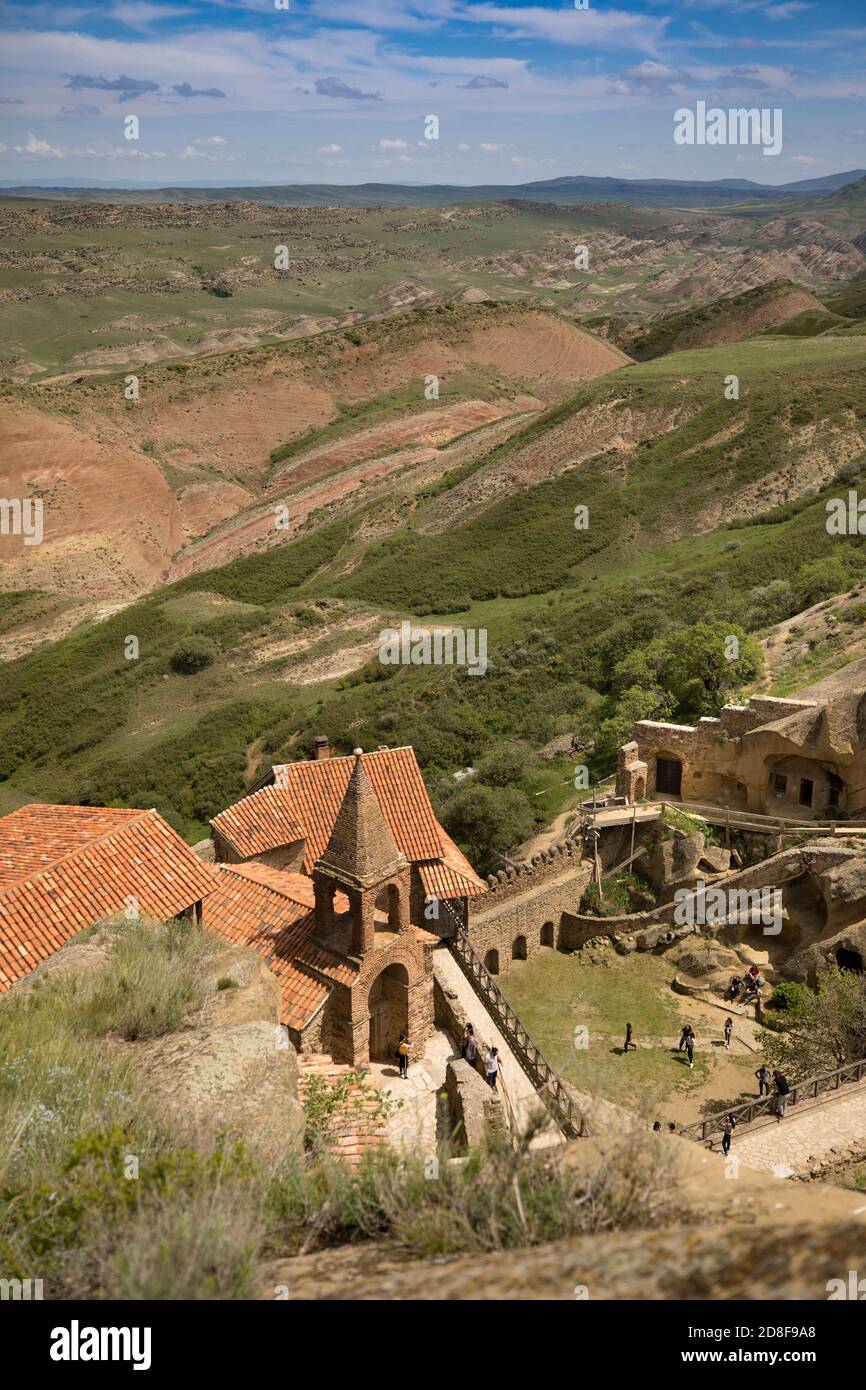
(362, 861)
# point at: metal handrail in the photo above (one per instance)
(549, 1086)
(849, 1071)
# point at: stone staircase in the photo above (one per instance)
(360, 1127)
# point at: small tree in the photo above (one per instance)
(484, 820)
(825, 1029)
(194, 655)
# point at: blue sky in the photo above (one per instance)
(338, 90)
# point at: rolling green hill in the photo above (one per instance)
(711, 513)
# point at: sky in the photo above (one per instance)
(340, 91)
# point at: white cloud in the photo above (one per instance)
(40, 148)
(393, 145)
(331, 149)
(210, 140)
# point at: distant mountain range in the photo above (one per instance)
(565, 191)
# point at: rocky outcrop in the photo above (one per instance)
(232, 1069)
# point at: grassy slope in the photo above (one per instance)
(78, 720)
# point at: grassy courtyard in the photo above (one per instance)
(557, 995)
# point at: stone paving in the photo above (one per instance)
(822, 1133)
(414, 1122)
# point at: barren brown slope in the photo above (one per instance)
(194, 449)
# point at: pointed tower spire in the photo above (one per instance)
(361, 851)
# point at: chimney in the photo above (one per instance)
(321, 748)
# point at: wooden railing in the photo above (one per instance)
(766, 1105)
(548, 1085)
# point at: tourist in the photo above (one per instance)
(684, 1036)
(629, 1042)
(734, 987)
(763, 1075)
(690, 1048)
(783, 1090)
(657, 1127)
(470, 1045)
(491, 1066)
(727, 1131)
(672, 1129)
(729, 1028)
(403, 1050)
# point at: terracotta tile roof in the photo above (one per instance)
(452, 876)
(271, 911)
(35, 837)
(315, 791)
(258, 823)
(65, 885)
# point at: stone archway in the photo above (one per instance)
(518, 948)
(388, 1007)
(547, 934)
(491, 962)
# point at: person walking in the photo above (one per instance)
(728, 1128)
(690, 1048)
(657, 1127)
(403, 1050)
(629, 1042)
(470, 1045)
(763, 1075)
(783, 1090)
(729, 1028)
(491, 1067)
(683, 1036)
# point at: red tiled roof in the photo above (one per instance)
(37, 836)
(64, 885)
(271, 911)
(314, 792)
(453, 874)
(258, 823)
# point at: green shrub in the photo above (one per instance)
(193, 655)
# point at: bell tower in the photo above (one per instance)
(362, 861)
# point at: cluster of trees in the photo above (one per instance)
(684, 674)
(819, 1029)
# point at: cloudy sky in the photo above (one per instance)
(338, 91)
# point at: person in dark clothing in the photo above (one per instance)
(690, 1048)
(729, 1028)
(403, 1050)
(672, 1129)
(657, 1127)
(734, 987)
(684, 1035)
(783, 1091)
(470, 1045)
(727, 1133)
(763, 1075)
(628, 1040)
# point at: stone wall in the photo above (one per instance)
(474, 1107)
(717, 766)
(523, 910)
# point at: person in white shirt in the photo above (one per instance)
(491, 1066)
